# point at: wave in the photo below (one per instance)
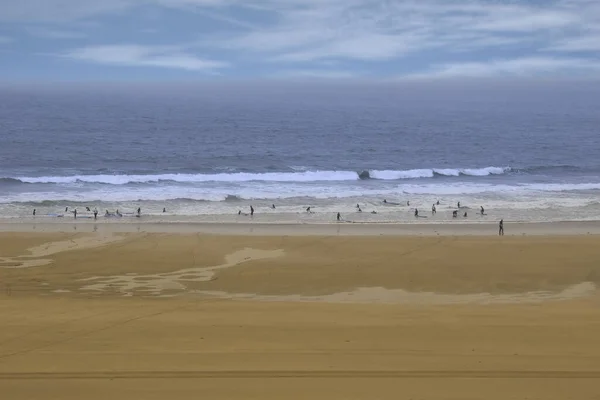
(304, 176)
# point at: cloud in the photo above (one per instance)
(590, 43)
(528, 66)
(316, 73)
(144, 56)
(51, 33)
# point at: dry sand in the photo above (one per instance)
(166, 315)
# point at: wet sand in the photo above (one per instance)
(149, 315)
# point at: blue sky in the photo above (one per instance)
(100, 40)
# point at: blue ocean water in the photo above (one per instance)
(210, 148)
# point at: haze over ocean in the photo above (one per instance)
(524, 151)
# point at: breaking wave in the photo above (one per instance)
(301, 176)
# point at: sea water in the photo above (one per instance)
(206, 151)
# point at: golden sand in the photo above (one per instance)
(154, 316)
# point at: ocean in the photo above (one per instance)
(207, 152)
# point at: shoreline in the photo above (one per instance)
(566, 228)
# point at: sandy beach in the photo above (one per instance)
(349, 311)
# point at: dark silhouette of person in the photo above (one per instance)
(308, 209)
(251, 211)
(339, 217)
(501, 228)
(66, 209)
(239, 212)
(95, 214)
(458, 205)
(75, 213)
(165, 210)
(482, 210)
(408, 203)
(87, 209)
(465, 215)
(416, 212)
(384, 200)
(359, 209)
(433, 210)
(273, 206)
(454, 214)
(34, 212)
(438, 203)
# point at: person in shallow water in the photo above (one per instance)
(34, 212)
(251, 211)
(454, 214)
(433, 210)
(165, 210)
(501, 228)
(339, 216)
(482, 211)
(416, 212)
(95, 213)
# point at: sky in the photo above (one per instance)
(162, 40)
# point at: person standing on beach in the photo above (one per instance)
(433, 210)
(339, 217)
(251, 211)
(501, 228)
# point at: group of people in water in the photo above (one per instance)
(107, 214)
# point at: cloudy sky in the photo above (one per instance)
(330, 39)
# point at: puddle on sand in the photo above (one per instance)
(33, 259)
(155, 284)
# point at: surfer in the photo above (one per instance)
(501, 228)
(482, 211)
(339, 216)
(308, 209)
(433, 210)
(251, 211)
